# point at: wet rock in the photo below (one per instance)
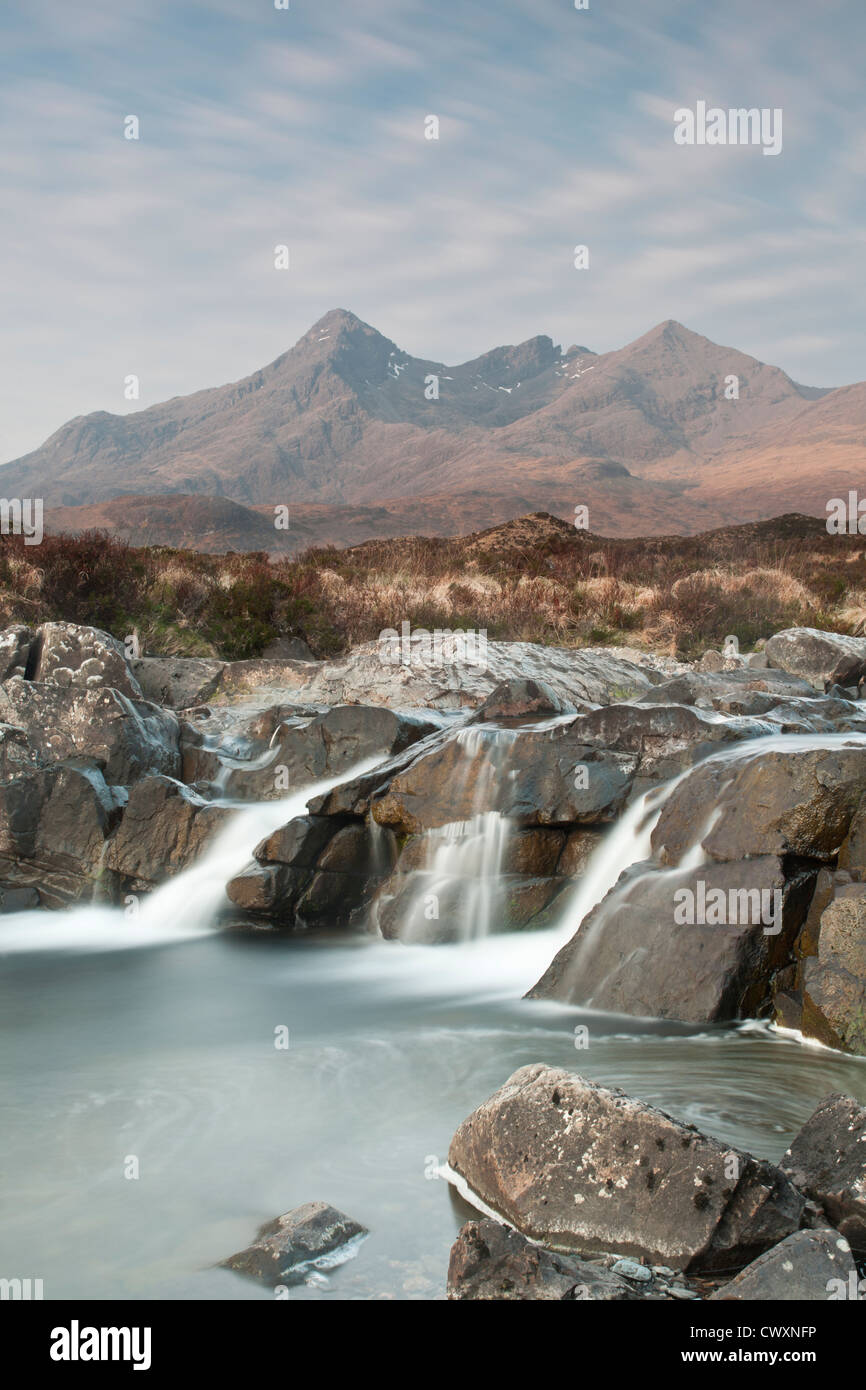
(580, 1167)
(285, 1249)
(365, 674)
(549, 777)
(178, 681)
(15, 645)
(806, 1265)
(775, 803)
(314, 871)
(81, 657)
(490, 1262)
(664, 738)
(827, 1161)
(822, 658)
(165, 828)
(834, 981)
(522, 699)
(54, 823)
(130, 737)
(325, 746)
(638, 954)
(700, 687)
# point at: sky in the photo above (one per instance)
(305, 127)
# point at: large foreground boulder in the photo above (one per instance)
(827, 1161)
(178, 681)
(286, 1248)
(580, 1167)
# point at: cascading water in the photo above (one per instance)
(459, 889)
(185, 906)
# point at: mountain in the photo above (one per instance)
(341, 430)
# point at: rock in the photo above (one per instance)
(521, 699)
(827, 1161)
(665, 738)
(366, 674)
(491, 1262)
(130, 737)
(632, 955)
(178, 681)
(580, 1167)
(16, 755)
(549, 777)
(773, 803)
(165, 827)
(700, 688)
(806, 1265)
(630, 1269)
(834, 981)
(286, 1248)
(712, 660)
(54, 822)
(325, 746)
(315, 871)
(15, 644)
(71, 654)
(822, 658)
(287, 649)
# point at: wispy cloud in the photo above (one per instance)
(306, 127)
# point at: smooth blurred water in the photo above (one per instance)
(155, 1038)
(168, 1053)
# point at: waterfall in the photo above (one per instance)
(614, 874)
(458, 891)
(183, 907)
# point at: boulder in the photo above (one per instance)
(834, 981)
(288, 1247)
(521, 699)
(535, 777)
(178, 681)
(314, 871)
(376, 674)
(581, 1167)
(822, 658)
(491, 1262)
(129, 737)
(323, 747)
(15, 645)
(637, 953)
(165, 827)
(85, 658)
(806, 1265)
(665, 738)
(772, 803)
(827, 1161)
(54, 823)
(16, 754)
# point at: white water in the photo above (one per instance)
(182, 908)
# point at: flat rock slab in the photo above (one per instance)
(312, 1234)
(811, 1265)
(583, 1168)
(827, 1161)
